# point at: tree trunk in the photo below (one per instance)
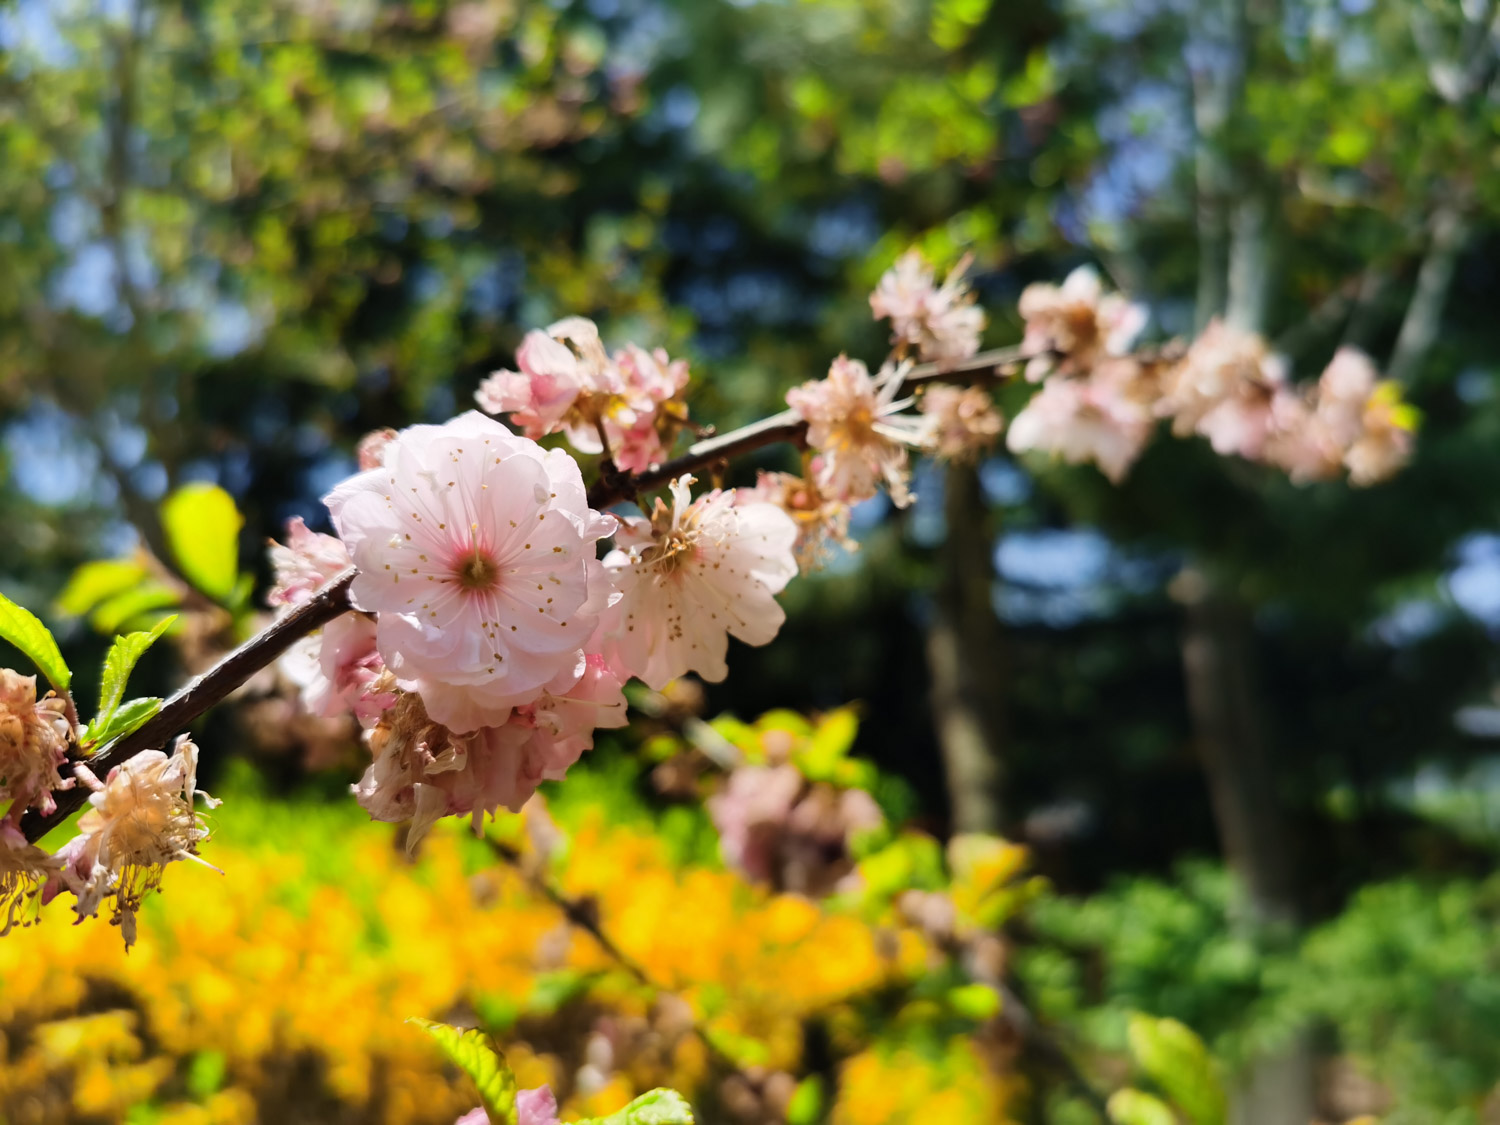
(1218, 662)
(965, 660)
(1218, 647)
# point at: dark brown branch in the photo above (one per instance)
(201, 693)
(787, 427)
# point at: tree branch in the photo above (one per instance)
(213, 686)
(787, 427)
(201, 693)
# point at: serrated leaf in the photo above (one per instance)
(475, 1053)
(127, 717)
(25, 630)
(120, 662)
(655, 1107)
(1179, 1063)
(203, 529)
(95, 581)
(1135, 1107)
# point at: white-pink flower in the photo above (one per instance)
(424, 771)
(963, 421)
(822, 521)
(642, 423)
(307, 562)
(1223, 389)
(568, 383)
(854, 422)
(533, 1107)
(1070, 328)
(938, 323)
(339, 671)
(33, 745)
(474, 549)
(690, 576)
(142, 818)
(1097, 419)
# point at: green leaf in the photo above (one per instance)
(93, 582)
(127, 717)
(203, 530)
(974, 1001)
(475, 1053)
(115, 612)
(1179, 1063)
(1135, 1107)
(120, 662)
(23, 629)
(655, 1107)
(806, 1105)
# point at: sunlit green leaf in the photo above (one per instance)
(120, 662)
(1179, 1063)
(655, 1107)
(115, 613)
(23, 629)
(1135, 1107)
(127, 717)
(95, 581)
(475, 1053)
(203, 530)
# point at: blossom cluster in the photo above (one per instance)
(491, 640)
(142, 815)
(1100, 403)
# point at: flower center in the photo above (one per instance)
(476, 571)
(670, 551)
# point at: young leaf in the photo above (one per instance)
(1134, 1107)
(120, 662)
(1180, 1064)
(475, 1053)
(126, 718)
(655, 1107)
(22, 628)
(203, 530)
(94, 582)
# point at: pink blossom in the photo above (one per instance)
(1388, 432)
(307, 563)
(568, 383)
(1224, 389)
(963, 421)
(775, 827)
(424, 771)
(651, 383)
(557, 368)
(340, 670)
(1301, 440)
(1081, 420)
(371, 449)
(691, 575)
(474, 549)
(937, 323)
(852, 421)
(533, 1107)
(1070, 328)
(822, 521)
(33, 745)
(142, 818)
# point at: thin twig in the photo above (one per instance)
(788, 427)
(201, 693)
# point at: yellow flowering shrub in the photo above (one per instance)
(278, 990)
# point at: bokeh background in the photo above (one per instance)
(1241, 732)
